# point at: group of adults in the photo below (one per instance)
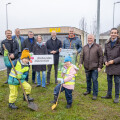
(16, 44)
(91, 56)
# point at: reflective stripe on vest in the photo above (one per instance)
(18, 69)
(71, 82)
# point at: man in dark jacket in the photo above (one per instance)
(72, 41)
(112, 62)
(12, 46)
(92, 58)
(53, 46)
(19, 39)
(29, 43)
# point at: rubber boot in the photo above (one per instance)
(55, 99)
(29, 99)
(12, 106)
(69, 106)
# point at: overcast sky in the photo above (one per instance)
(54, 13)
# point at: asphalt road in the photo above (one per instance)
(2, 65)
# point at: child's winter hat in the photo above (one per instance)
(68, 59)
(25, 54)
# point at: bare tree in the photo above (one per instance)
(94, 26)
(83, 26)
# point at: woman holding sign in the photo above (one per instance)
(40, 49)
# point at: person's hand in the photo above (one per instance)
(54, 52)
(111, 62)
(18, 77)
(62, 81)
(12, 56)
(51, 52)
(5, 52)
(99, 69)
(60, 49)
(106, 63)
(80, 65)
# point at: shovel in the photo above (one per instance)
(55, 105)
(31, 105)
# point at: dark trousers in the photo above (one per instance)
(110, 83)
(8, 72)
(92, 75)
(33, 75)
(68, 93)
(49, 72)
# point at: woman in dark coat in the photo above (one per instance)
(40, 49)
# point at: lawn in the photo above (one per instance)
(83, 108)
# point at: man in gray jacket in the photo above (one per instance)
(92, 58)
(72, 41)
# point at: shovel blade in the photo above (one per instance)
(33, 106)
(54, 106)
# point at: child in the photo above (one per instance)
(68, 82)
(22, 68)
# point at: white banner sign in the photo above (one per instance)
(41, 60)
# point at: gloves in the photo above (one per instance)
(19, 76)
(5, 52)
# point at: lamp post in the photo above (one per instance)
(98, 22)
(114, 11)
(7, 15)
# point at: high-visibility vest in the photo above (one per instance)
(19, 69)
(71, 82)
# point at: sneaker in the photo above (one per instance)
(86, 93)
(38, 85)
(116, 100)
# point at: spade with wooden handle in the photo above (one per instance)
(31, 105)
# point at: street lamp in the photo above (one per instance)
(98, 22)
(7, 15)
(114, 11)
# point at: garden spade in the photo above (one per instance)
(31, 105)
(55, 105)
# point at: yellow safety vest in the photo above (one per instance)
(18, 69)
(71, 82)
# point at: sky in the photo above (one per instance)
(54, 13)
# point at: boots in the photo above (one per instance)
(116, 100)
(12, 106)
(55, 99)
(69, 106)
(86, 93)
(29, 99)
(107, 97)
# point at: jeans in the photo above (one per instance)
(49, 72)
(33, 76)
(110, 83)
(92, 75)
(43, 78)
(68, 93)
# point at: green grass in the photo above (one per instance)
(83, 108)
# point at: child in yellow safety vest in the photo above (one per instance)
(22, 68)
(68, 81)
